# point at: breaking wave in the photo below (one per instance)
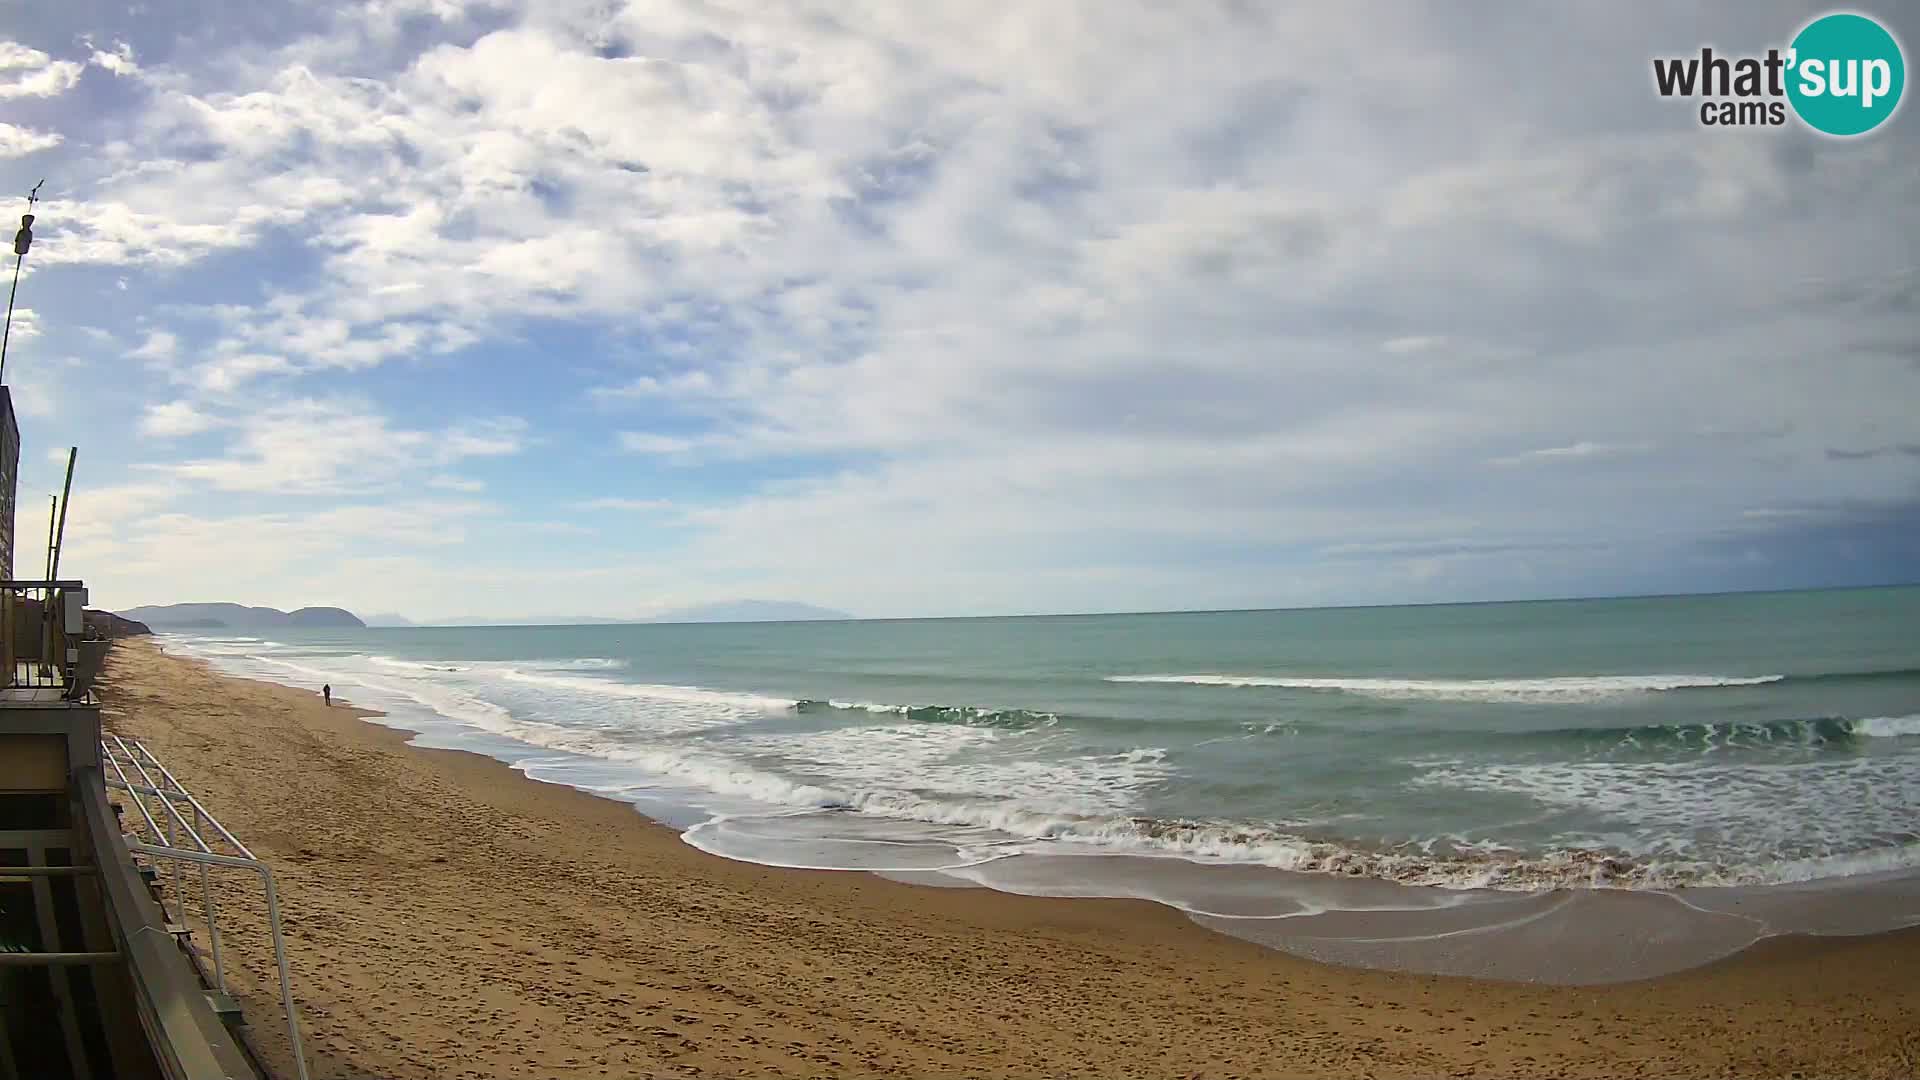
(411, 665)
(967, 715)
(1887, 727)
(653, 692)
(1568, 688)
(1812, 731)
(583, 663)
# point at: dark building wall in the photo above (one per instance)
(9, 478)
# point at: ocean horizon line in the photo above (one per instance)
(647, 621)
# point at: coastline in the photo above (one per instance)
(451, 916)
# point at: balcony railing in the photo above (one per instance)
(45, 654)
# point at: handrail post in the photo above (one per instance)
(213, 919)
(273, 924)
(280, 958)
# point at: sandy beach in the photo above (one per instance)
(448, 917)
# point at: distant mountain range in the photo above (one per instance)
(525, 620)
(750, 611)
(238, 617)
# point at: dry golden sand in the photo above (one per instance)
(450, 918)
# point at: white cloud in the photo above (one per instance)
(332, 447)
(25, 325)
(234, 370)
(287, 559)
(624, 504)
(174, 419)
(120, 60)
(33, 395)
(981, 267)
(26, 72)
(1580, 451)
(446, 482)
(160, 347)
(17, 141)
(1401, 346)
(114, 232)
(642, 442)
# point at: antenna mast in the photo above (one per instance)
(22, 240)
(66, 495)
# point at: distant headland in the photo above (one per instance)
(238, 617)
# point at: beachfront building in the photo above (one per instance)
(98, 980)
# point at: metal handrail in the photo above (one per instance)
(273, 922)
(56, 959)
(187, 1038)
(206, 887)
(205, 857)
(173, 817)
(127, 785)
(180, 789)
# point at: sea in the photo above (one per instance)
(1475, 768)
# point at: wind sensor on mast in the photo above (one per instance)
(22, 240)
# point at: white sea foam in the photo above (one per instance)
(891, 765)
(579, 663)
(412, 665)
(872, 707)
(972, 715)
(1746, 822)
(1569, 689)
(1887, 727)
(683, 695)
(589, 702)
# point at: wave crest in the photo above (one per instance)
(1887, 727)
(1811, 731)
(966, 715)
(1556, 689)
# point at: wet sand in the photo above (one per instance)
(448, 917)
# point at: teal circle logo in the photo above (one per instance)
(1845, 74)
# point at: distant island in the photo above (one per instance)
(239, 617)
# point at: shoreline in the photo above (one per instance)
(601, 936)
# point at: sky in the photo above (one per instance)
(458, 308)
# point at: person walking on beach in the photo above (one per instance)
(326, 694)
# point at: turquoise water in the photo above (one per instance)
(1644, 743)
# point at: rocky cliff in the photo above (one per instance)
(108, 625)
